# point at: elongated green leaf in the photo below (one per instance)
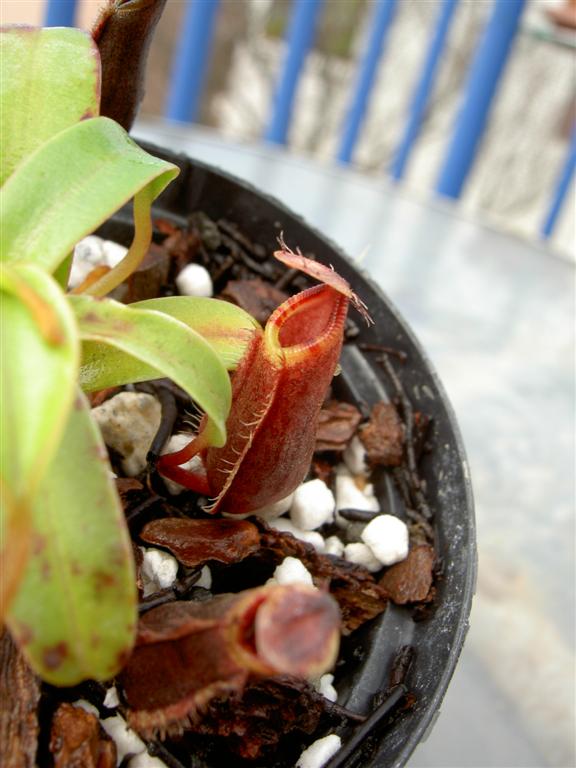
(227, 328)
(40, 360)
(15, 539)
(49, 80)
(164, 344)
(74, 615)
(69, 186)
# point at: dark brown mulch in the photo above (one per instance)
(19, 698)
(78, 741)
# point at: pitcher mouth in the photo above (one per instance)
(306, 321)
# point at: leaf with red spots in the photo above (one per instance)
(74, 615)
(40, 357)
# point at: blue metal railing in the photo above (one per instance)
(193, 51)
(191, 60)
(485, 73)
(299, 41)
(380, 24)
(60, 13)
(561, 189)
(424, 88)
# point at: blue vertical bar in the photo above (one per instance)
(60, 13)
(191, 60)
(299, 41)
(487, 67)
(424, 88)
(383, 16)
(561, 190)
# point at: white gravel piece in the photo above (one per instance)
(334, 546)
(113, 253)
(127, 741)
(273, 511)
(312, 506)
(86, 706)
(194, 280)
(89, 249)
(159, 570)
(355, 457)
(144, 760)
(387, 537)
(176, 443)
(291, 571)
(325, 687)
(78, 273)
(361, 554)
(88, 253)
(205, 579)
(349, 496)
(111, 699)
(319, 752)
(310, 537)
(128, 422)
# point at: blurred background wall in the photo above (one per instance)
(522, 150)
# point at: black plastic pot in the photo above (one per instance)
(437, 639)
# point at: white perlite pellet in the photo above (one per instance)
(319, 752)
(361, 554)
(111, 700)
(158, 570)
(291, 571)
(325, 687)
(312, 506)
(113, 253)
(176, 443)
(355, 457)
(205, 579)
(310, 537)
(92, 252)
(333, 546)
(87, 255)
(127, 741)
(387, 537)
(128, 422)
(275, 510)
(194, 280)
(86, 706)
(349, 496)
(89, 249)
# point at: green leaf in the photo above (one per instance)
(40, 361)
(165, 345)
(227, 328)
(74, 615)
(15, 529)
(73, 183)
(49, 80)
